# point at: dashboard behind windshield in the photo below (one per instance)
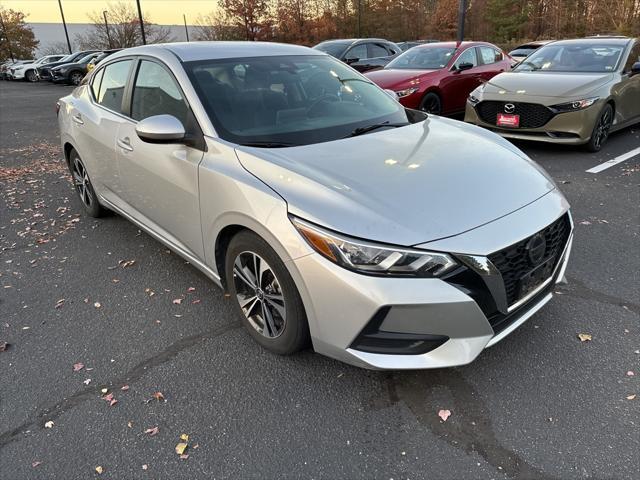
(583, 57)
(423, 58)
(292, 100)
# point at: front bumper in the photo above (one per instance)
(342, 306)
(17, 75)
(57, 77)
(569, 128)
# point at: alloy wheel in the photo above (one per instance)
(32, 76)
(82, 183)
(76, 78)
(602, 129)
(259, 294)
(431, 105)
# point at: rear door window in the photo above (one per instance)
(359, 52)
(489, 55)
(112, 85)
(376, 51)
(468, 56)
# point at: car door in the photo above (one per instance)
(161, 180)
(457, 86)
(96, 116)
(627, 91)
(491, 62)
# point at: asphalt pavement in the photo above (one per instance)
(100, 297)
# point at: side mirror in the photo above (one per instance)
(464, 66)
(161, 129)
(635, 69)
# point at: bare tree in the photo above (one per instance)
(216, 26)
(55, 48)
(124, 29)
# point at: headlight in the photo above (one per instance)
(473, 100)
(372, 258)
(406, 92)
(575, 105)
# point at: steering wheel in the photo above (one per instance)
(324, 98)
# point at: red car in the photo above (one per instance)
(438, 77)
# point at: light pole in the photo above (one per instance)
(64, 24)
(144, 39)
(106, 25)
(186, 30)
(6, 37)
(462, 7)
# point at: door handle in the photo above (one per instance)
(125, 144)
(77, 118)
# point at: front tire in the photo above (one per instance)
(265, 296)
(31, 76)
(75, 78)
(84, 187)
(431, 103)
(601, 129)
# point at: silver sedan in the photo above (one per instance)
(334, 217)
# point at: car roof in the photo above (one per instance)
(464, 44)
(194, 51)
(600, 40)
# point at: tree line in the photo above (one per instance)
(307, 22)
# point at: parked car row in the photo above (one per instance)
(68, 69)
(567, 92)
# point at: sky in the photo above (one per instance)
(164, 12)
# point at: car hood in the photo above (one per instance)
(390, 78)
(546, 84)
(404, 186)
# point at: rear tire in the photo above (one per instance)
(431, 103)
(84, 187)
(268, 302)
(601, 129)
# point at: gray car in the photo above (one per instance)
(333, 216)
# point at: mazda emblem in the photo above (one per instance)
(509, 108)
(536, 248)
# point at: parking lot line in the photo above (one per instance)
(615, 161)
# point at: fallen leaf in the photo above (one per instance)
(99, 469)
(630, 373)
(113, 402)
(184, 456)
(180, 448)
(444, 414)
(108, 398)
(145, 466)
(585, 222)
(191, 289)
(196, 301)
(87, 381)
(158, 396)
(59, 303)
(124, 388)
(97, 305)
(184, 437)
(152, 431)
(584, 337)
(48, 424)
(177, 301)
(35, 464)
(78, 366)
(126, 263)
(631, 397)
(4, 346)
(104, 390)
(130, 424)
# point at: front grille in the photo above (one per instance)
(532, 115)
(513, 261)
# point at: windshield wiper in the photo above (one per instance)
(268, 144)
(375, 126)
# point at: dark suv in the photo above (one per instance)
(363, 54)
(44, 72)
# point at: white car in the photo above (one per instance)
(29, 71)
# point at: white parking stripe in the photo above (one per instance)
(615, 161)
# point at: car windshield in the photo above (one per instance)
(334, 49)
(87, 58)
(423, 58)
(289, 100)
(573, 57)
(67, 58)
